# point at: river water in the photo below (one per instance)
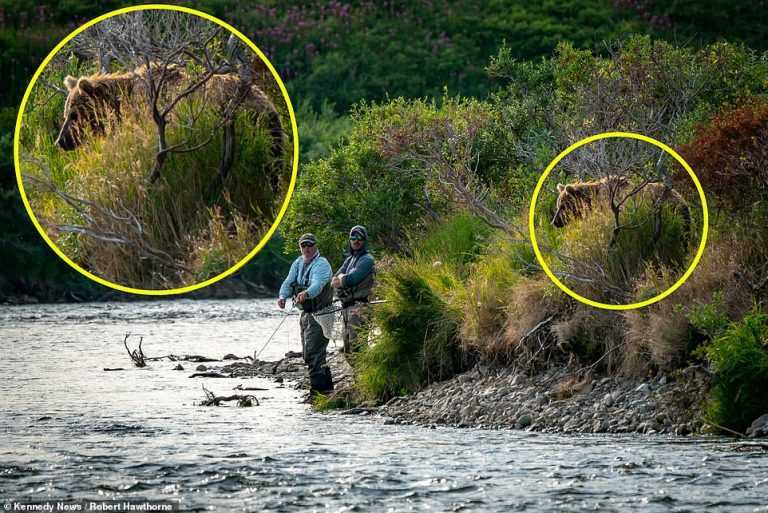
(73, 431)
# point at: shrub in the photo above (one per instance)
(730, 155)
(740, 359)
(151, 235)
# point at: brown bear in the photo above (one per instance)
(575, 199)
(94, 100)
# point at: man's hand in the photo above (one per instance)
(336, 281)
(281, 302)
(301, 296)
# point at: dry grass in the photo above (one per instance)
(594, 337)
(491, 284)
(661, 336)
(532, 304)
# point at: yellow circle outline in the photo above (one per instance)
(610, 306)
(294, 171)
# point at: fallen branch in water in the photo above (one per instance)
(241, 387)
(243, 401)
(209, 375)
(185, 358)
(137, 355)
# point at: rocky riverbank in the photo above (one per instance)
(555, 401)
(499, 397)
(290, 370)
(560, 400)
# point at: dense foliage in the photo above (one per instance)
(740, 358)
(335, 53)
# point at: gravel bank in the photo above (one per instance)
(554, 402)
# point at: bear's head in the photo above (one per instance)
(83, 109)
(572, 200)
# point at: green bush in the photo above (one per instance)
(418, 339)
(740, 359)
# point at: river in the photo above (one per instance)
(72, 431)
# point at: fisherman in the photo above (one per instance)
(353, 282)
(308, 282)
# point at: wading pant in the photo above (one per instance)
(353, 318)
(313, 346)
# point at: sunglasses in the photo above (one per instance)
(307, 244)
(355, 237)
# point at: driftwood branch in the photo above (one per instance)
(137, 355)
(243, 401)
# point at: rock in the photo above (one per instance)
(759, 427)
(230, 356)
(524, 421)
(279, 379)
(180, 367)
(643, 388)
(201, 368)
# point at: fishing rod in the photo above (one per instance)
(339, 309)
(288, 313)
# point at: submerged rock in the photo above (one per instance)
(759, 427)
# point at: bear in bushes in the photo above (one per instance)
(576, 199)
(96, 100)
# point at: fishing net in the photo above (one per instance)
(329, 319)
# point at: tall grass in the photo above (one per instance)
(417, 330)
(485, 298)
(456, 241)
(177, 231)
(663, 335)
(418, 339)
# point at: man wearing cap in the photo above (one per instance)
(353, 282)
(308, 282)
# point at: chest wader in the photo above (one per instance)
(313, 343)
(351, 315)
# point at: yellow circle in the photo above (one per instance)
(610, 306)
(294, 171)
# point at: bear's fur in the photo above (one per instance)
(94, 100)
(576, 199)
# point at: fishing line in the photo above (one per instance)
(287, 314)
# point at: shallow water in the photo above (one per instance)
(69, 430)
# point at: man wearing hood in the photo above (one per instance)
(353, 282)
(308, 282)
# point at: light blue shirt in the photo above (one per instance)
(314, 276)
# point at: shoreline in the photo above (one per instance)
(556, 400)
(551, 401)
